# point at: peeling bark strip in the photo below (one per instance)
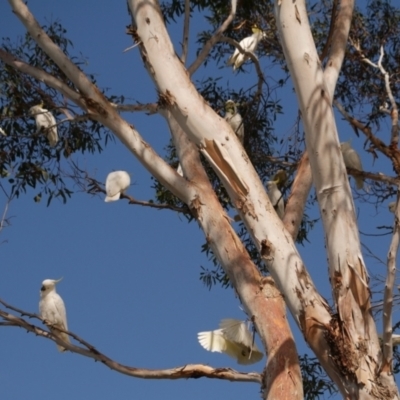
(221, 161)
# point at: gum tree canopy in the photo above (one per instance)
(343, 63)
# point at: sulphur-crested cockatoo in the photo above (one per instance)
(45, 122)
(234, 339)
(392, 207)
(116, 183)
(248, 44)
(352, 160)
(52, 310)
(276, 198)
(234, 119)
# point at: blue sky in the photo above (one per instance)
(131, 274)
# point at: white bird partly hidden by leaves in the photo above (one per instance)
(234, 119)
(275, 197)
(45, 122)
(234, 339)
(248, 44)
(352, 160)
(52, 310)
(392, 207)
(116, 183)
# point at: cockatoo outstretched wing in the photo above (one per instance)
(221, 341)
(236, 331)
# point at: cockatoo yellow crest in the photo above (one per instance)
(52, 310)
(248, 44)
(234, 339)
(352, 160)
(45, 122)
(116, 183)
(234, 119)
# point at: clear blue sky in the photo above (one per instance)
(131, 274)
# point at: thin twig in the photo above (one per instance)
(253, 57)
(213, 40)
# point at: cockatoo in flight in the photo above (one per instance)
(234, 119)
(52, 310)
(234, 339)
(352, 160)
(248, 44)
(275, 197)
(45, 122)
(116, 183)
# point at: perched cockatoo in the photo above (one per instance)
(234, 119)
(275, 197)
(52, 310)
(234, 339)
(45, 122)
(352, 160)
(116, 183)
(392, 207)
(248, 44)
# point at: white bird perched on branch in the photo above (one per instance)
(46, 122)
(248, 44)
(392, 207)
(116, 183)
(234, 339)
(234, 119)
(275, 197)
(52, 310)
(352, 160)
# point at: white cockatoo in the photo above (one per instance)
(52, 310)
(275, 197)
(392, 207)
(45, 122)
(116, 183)
(234, 119)
(234, 339)
(248, 44)
(352, 160)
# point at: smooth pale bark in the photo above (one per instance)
(352, 333)
(215, 139)
(263, 302)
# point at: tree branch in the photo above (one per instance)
(41, 76)
(213, 39)
(185, 39)
(88, 350)
(388, 293)
(340, 35)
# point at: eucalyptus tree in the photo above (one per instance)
(334, 55)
